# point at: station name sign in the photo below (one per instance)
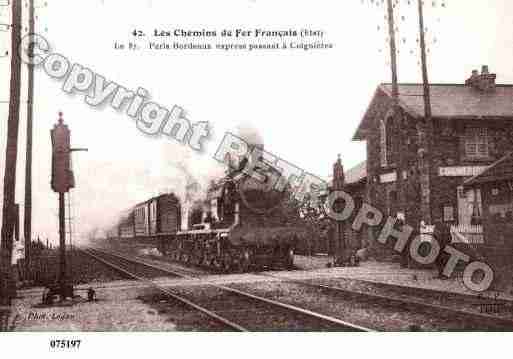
(391, 177)
(388, 177)
(461, 171)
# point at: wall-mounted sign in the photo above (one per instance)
(388, 177)
(461, 171)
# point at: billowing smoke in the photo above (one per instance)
(171, 168)
(250, 134)
(189, 176)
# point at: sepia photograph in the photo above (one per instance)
(293, 167)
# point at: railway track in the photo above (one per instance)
(404, 300)
(235, 309)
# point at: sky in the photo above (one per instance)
(305, 105)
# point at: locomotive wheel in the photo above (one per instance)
(290, 260)
(244, 262)
(216, 264)
(227, 264)
(199, 261)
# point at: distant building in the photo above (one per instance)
(472, 129)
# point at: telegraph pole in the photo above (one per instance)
(393, 54)
(396, 110)
(11, 156)
(425, 129)
(27, 218)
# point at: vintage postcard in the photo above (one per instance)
(255, 166)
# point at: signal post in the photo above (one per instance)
(339, 240)
(62, 182)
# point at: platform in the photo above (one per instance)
(391, 273)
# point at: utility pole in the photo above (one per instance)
(396, 112)
(11, 156)
(393, 53)
(425, 129)
(27, 218)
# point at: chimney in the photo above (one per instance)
(484, 82)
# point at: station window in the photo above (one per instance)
(383, 144)
(476, 143)
(448, 213)
(387, 150)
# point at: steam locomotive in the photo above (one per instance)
(244, 223)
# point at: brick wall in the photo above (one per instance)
(448, 150)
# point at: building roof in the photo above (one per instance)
(356, 174)
(502, 170)
(448, 101)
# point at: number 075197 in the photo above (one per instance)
(65, 344)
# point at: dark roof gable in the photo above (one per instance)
(448, 101)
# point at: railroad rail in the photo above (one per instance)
(492, 322)
(234, 303)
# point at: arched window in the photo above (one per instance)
(386, 140)
(383, 142)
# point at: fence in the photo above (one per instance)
(42, 271)
(468, 234)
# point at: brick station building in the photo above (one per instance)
(496, 187)
(472, 128)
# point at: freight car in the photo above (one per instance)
(157, 220)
